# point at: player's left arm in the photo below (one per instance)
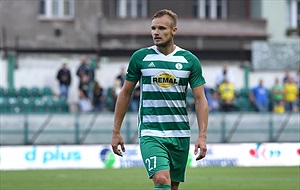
(201, 108)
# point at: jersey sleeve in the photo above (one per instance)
(133, 71)
(196, 77)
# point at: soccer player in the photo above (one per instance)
(164, 72)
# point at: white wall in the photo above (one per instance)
(276, 14)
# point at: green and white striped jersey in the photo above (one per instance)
(164, 82)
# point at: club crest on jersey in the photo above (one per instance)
(178, 66)
(165, 80)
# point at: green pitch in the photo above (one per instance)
(205, 178)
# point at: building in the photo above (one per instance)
(281, 50)
(117, 28)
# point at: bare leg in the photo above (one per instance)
(174, 185)
(162, 177)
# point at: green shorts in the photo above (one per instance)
(160, 153)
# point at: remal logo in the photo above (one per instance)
(107, 157)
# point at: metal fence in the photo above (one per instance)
(95, 128)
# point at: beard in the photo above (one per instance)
(164, 44)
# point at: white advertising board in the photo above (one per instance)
(270, 154)
(101, 156)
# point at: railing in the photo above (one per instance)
(95, 128)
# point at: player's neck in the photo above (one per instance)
(166, 50)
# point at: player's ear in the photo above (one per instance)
(174, 31)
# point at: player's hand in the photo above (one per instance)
(200, 143)
(117, 140)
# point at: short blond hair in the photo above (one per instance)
(170, 13)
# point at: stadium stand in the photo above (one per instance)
(31, 100)
(43, 100)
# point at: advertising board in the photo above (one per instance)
(101, 156)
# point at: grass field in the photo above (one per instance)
(210, 178)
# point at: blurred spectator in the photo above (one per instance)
(277, 92)
(117, 87)
(227, 95)
(84, 85)
(221, 75)
(84, 101)
(298, 83)
(279, 107)
(290, 95)
(83, 70)
(98, 97)
(214, 103)
(208, 91)
(135, 99)
(190, 101)
(64, 78)
(122, 76)
(287, 75)
(259, 97)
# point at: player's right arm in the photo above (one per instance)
(120, 111)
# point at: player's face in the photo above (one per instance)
(162, 31)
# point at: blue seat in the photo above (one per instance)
(47, 91)
(35, 92)
(50, 105)
(27, 105)
(2, 92)
(39, 105)
(62, 105)
(110, 99)
(4, 105)
(11, 92)
(245, 104)
(14, 106)
(244, 92)
(24, 92)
